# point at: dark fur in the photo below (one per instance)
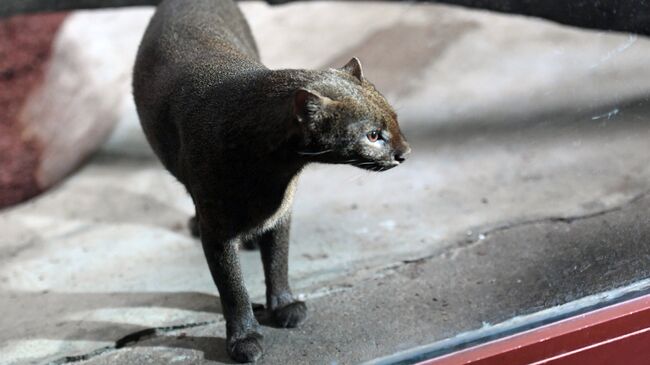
(237, 134)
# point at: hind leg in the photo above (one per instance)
(193, 225)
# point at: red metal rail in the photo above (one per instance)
(618, 334)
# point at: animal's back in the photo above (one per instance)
(189, 48)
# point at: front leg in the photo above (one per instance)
(242, 330)
(286, 311)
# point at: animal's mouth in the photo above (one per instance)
(376, 166)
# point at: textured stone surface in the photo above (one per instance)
(509, 123)
(439, 64)
(25, 49)
(512, 272)
(60, 107)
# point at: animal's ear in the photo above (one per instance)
(353, 67)
(309, 105)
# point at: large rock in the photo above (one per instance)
(62, 87)
(25, 47)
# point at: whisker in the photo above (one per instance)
(304, 153)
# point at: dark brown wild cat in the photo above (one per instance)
(237, 135)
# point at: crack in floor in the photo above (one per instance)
(128, 340)
(453, 251)
(568, 220)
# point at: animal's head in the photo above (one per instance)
(344, 119)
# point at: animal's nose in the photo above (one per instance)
(401, 155)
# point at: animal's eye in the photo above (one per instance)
(373, 136)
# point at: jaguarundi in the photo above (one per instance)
(237, 135)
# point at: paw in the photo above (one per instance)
(290, 315)
(193, 225)
(247, 348)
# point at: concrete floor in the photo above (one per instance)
(513, 271)
(498, 213)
